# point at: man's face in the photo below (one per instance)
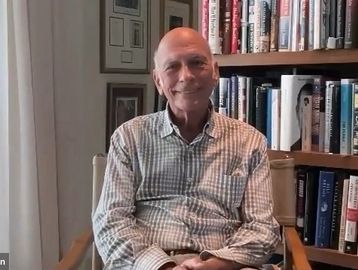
(185, 73)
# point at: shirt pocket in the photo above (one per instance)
(225, 190)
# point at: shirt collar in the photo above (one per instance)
(210, 128)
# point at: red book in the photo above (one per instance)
(235, 26)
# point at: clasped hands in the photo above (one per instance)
(196, 263)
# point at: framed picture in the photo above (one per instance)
(124, 102)
(125, 32)
(175, 13)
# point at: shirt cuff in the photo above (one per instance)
(151, 258)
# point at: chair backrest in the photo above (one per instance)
(284, 190)
(99, 166)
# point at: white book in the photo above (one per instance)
(223, 94)
(275, 120)
(295, 25)
(342, 228)
(292, 89)
(214, 26)
(242, 97)
(306, 124)
(244, 25)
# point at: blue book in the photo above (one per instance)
(324, 209)
(346, 116)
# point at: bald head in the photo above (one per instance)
(180, 37)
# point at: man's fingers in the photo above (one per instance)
(193, 263)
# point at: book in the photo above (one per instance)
(214, 27)
(318, 111)
(227, 26)
(284, 35)
(350, 237)
(300, 200)
(355, 120)
(275, 117)
(324, 209)
(342, 229)
(337, 208)
(293, 87)
(275, 20)
(311, 192)
(346, 116)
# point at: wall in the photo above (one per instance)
(80, 104)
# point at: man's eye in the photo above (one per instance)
(198, 63)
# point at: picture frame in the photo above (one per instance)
(175, 13)
(124, 36)
(124, 102)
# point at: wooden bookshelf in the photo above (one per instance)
(319, 57)
(345, 63)
(318, 159)
(331, 256)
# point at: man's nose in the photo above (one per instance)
(185, 73)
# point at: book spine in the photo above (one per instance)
(235, 27)
(348, 36)
(223, 93)
(334, 145)
(275, 19)
(257, 26)
(242, 98)
(275, 122)
(303, 26)
(261, 108)
(214, 27)
(204, 18)
(265, 25)
(285, 26)
(311, 191)
(295, 25)
(251, 27)
(346, 116)
(316, 100)
(311, 22)
(324, 209)
(350, 237)
(269, 119)
(322, 114)
(332, 14)
(340, 27)
(251, 102)
(355, 120)
(234, 96)
(342, 229)
(227, 27)
(300, 201)
(244, 25)
(336, 209)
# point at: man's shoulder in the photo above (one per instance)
(142, 123)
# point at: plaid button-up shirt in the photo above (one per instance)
(212, 195)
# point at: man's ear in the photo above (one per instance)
(157, 82)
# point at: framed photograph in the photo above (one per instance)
(175, 13)
(124, 102)
(125, 32)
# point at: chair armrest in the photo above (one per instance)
(296, 249)
(74, 256)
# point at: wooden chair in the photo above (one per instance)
(284, 194)
(284, 211)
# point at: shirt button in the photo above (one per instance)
(194, 235)
(190, 179)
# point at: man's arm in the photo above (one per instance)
(258, 235)
(118, 239)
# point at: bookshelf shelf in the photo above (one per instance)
(319, 57)
(318, 159)
(333, 257)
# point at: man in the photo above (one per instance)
(185, 180)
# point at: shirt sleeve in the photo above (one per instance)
(119, 240)
(258, 236)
